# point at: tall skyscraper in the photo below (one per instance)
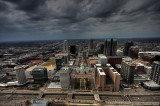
(110, 47)
(133, 52)
(100, 48)
(90, 44)
(127, 71)
(20, 74)
(65, 46)
(126, 48)
(155, 73)
(73, 49)
(59, 62)
(65, 77)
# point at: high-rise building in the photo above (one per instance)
(65, 46)
(126, 48)
(59, 62)
(73, 49)
(127, 71)
(106, 78)
(65, 77)
(155, 73)
(133, 52)
(100, 48)
(20, 74)
(91, 50)
(110, 47)
(90, 44)
(61, 59)
(40, 74)
(102, 59)
(84, 54)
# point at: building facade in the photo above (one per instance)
(65, 77)
(106, 78)
(65, 46)
(133, 52)
(40, 74)
(126, 48)
(155, 73)
(127, 71)
(20, 74)
(102, 59)
(91, 45)
(110, 47)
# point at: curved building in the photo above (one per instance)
(20, 74)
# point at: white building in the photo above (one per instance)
(102, 59)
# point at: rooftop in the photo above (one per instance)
(39, 68)
(49, 68)
(157, 62)
(54, 85)
(101, 72)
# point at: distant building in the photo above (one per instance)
(20, 74)
(155, 73)
(91, 45)
(149, 55)
(61, 59)
(100, 48)
(133, 52)
(73, 49)
(139, 68)
(91, 52)
(110, 47)
(126, 48)
(102, 59)
(84, 54)
(65, 46)
(119, 53)
(40, 74)
(127, 71)
(65, 77)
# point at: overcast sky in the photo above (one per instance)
(78, 19)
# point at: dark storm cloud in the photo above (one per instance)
(27, 5)
(74, 18)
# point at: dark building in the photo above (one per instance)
(127, 71)
(59, 62)
(113, 60)
(110, 47)
(100, 48)
(40, 74)
(133, 52)
(90, 44)
(73, 49)
(126, 48)
(155, 73)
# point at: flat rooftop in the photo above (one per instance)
(54, 85)
(49, 68)
(101, 72)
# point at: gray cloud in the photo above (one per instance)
(79, 18)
